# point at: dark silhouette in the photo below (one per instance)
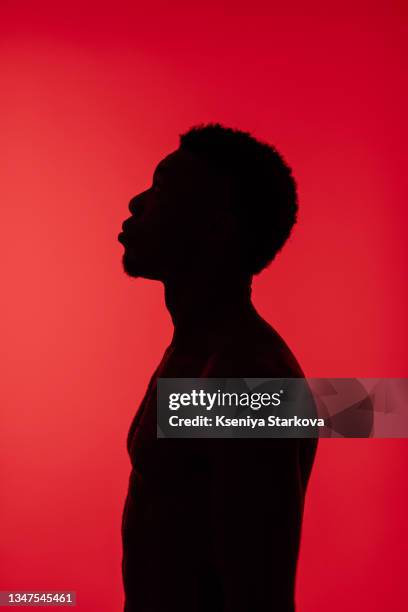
(213, 525)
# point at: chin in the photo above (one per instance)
(136, 269)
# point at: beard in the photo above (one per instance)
(129, 265)
(136, 268)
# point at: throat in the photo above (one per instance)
(204, 312)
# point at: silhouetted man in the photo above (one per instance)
(213, 525)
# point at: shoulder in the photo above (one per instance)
(255, 352)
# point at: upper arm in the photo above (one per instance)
(257, 498)
(256, 512)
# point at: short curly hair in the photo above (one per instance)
(265, 198)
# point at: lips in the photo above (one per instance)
(127, 225)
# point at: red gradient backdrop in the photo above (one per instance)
(94, 94)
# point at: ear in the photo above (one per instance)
(224, 226)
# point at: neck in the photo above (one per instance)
(205, 308)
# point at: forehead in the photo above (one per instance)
(182, 165)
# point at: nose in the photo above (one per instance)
(136, 204)
(135, 208)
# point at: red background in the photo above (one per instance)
(93, 97)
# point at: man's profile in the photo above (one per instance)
(213, 525)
